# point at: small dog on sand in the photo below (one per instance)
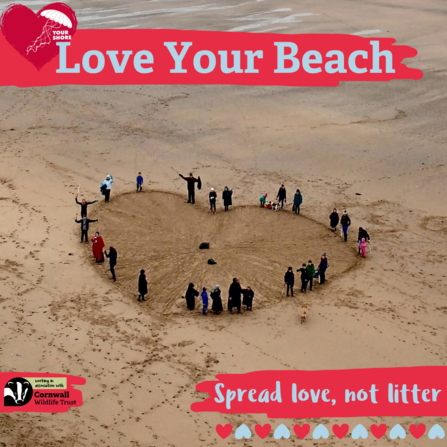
(303, 313)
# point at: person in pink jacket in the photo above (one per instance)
(363, 247)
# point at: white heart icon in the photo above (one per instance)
(243, 432)
(359, 432)
(397, 432)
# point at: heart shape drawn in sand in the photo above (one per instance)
(301, 431)
(417, 430)
(34, 35)
(263, 430)
(340, 430)
(378, 431)
(224, 430)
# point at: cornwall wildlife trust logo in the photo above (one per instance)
(18, 392)
(35, 36)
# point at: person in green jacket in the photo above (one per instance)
(310, 268)
(263, 199)
(297, 201)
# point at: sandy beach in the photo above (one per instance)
(375, 149)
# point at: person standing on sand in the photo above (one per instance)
(142, 285)
(234, 296)
(85, 224)
(98, 248)
(297, 201)
(322, 267)
(217, 307)
(140, 181)
(281, 196)
(363, 247)
(84, 204)
(204, 301)
(310, 268)
(303, 272)
(263, 199)
(335, 219)
(191, 182)
(213, 197)
(107, 187)
(190, 296)
(345, 223)
(247, 301)
(226, 197)
(113, 256)
(362, 234)
(289, 279)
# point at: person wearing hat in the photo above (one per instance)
(217, 307)
(335, 219)
(191, 182)
(263, 199)
(363, 234)
(322, 267)
(289, 279)
(281, 196)
(226, 197)
(345, 223)
(108, 183)
(297, 201)
(304, 278)
(213, 197)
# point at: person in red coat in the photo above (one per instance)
(98, 247)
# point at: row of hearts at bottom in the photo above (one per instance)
(378, 431)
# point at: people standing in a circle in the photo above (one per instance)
(297, 201)
(310, 268)
(190, 296)
(289, 279)
(335, 219)
(227, 197)
(213, 197)
(191, 185)
(345, 223)
(108, 187)
(362, 234)
(322, 267)
(282, 196)
(142, 285)
(304, 278)
(234, 296)
(113, 256)
(84, 204)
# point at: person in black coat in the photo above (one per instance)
(85, 224)
(213, 197)
(322, 267)
(248, 295)
(191, 182)
(142, 285)
(289, 279)
(112, 255)
(362, 234)
(304, 278)
(226, 197)
(190, 296)
(84, 204)
(345, 223)
(282, 196)
(217, 307)
(234, 296)
(335, 219)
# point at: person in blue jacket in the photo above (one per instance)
(204, 301)
(139, 182)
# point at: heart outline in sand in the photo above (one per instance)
(263, 430)
(21, 27)
(301, 430)
(378, 430)
(224, 430)
(340, 430)
(417, 430)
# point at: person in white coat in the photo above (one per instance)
(108, 182)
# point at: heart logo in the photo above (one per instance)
(340, 432)
(243, 432)
(301, 432)
(34, 36)
(263, 430)
(397, 432)
(281, 432)
(359, 432)
(320, 432)
(436, 432)
(378, 431)
(224, 430)
(417, 430)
